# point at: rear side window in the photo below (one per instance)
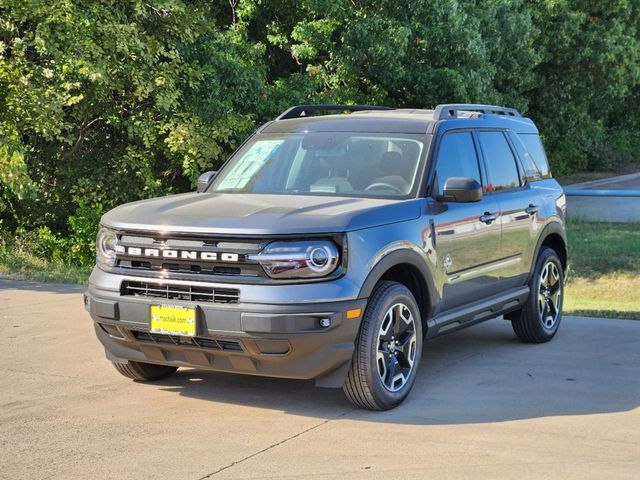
(531, 172)
(457, 158)
(535, 149)
(500, 161)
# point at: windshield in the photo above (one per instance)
(340, 164)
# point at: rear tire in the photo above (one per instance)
(539, 318)
(144, 371)
(387, 350)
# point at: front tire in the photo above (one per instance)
(388, 349)
(144, 371)
(539, 319)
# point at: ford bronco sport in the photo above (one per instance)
(330, 247)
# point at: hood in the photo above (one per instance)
(258, 214)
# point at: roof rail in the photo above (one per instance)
(308, 110)
(450, 110)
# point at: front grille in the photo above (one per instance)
(180, 292)
(212, 343)
(181, 255)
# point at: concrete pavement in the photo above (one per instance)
(484, 406)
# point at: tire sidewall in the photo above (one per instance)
(395, 293)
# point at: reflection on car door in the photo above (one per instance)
(518, 207)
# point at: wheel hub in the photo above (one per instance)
(396, 352)
(549, 295)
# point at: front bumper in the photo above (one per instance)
(285, 340)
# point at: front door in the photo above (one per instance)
(467, 234)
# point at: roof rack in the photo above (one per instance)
(450, 111)
(308, 110)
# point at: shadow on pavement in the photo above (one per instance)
(480, 375)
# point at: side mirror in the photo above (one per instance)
(204, 180)
(461, 190)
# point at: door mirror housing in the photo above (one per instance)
(461, 190)
(204, 180)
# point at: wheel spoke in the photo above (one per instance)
(404, 319)
(386, 329)
(407, 350)
(544, 276)
(396, 375)
(548, 315)
(553, 310)
(382, 359)
(545, 309)
(541, 298)
(555, 298)
(397, 321)
(555, 275)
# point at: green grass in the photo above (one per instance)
(603, 278)
(604, 273)
(17, 263)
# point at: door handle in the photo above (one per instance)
(532, 209)
(488, 217)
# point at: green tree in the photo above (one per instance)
(590, 67)
(402, 53)
(108, 102)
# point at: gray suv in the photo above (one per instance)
(331, 246)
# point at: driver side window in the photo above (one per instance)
(457, 157)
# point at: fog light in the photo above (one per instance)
(325, 322)
(87, 303)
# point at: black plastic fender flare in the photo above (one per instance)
(553, 227)
(399, 257)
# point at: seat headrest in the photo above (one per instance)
(394, 163)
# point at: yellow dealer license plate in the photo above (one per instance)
(172, 320)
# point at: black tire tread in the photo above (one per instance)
(143, 371)
(356, 387)
(525, 323)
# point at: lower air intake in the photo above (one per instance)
(180, 292)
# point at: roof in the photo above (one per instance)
(373, 119)
(387, 121)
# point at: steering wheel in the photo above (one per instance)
(373, 186)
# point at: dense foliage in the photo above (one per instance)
(106, 102)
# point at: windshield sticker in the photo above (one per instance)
(252, 161)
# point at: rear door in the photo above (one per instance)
(467, 234)
(518, 206)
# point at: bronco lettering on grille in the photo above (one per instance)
(178, 254)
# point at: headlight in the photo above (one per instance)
(309, 259)
(106, 246)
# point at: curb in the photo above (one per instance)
(579, 192)
(602, 181)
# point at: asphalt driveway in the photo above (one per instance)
(484, 406)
